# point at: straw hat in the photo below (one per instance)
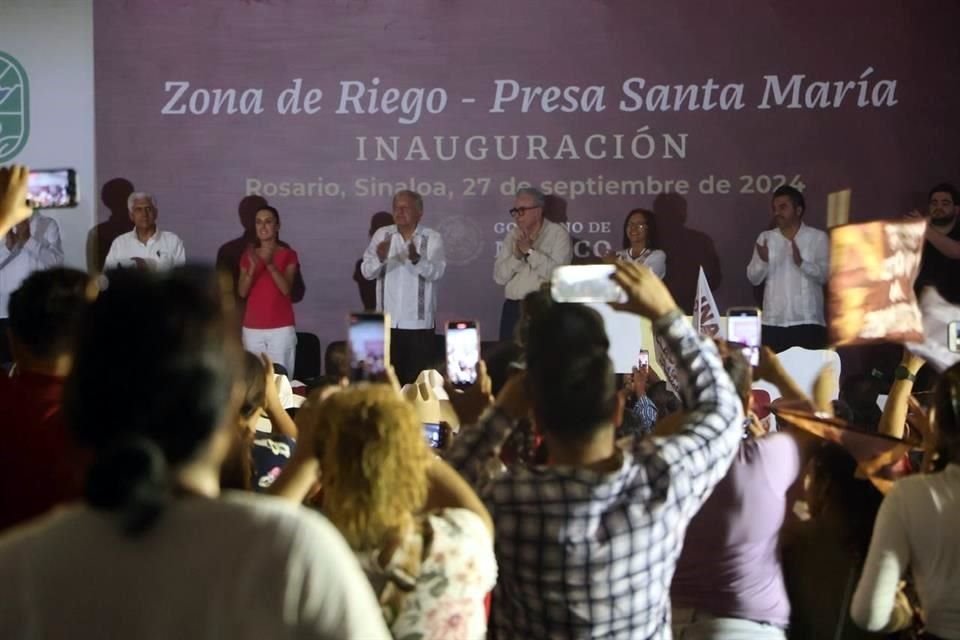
(433, 381)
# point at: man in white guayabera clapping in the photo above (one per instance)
(407, 261)
(793, 261)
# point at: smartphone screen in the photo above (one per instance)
(585, 283)
(369, 343)
(953, 336)
(743, 328)
(52, 188)
(431, 431)
(463, 352)
(643, 362)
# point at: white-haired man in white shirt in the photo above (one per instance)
(31, 245)
(407, 260)
(146, 246)
(793, 261)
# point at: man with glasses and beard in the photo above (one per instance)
(530, 252)
(941, 251)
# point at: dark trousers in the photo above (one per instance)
(412, 351)
(807, 336)
(509, 317)
(6, 354)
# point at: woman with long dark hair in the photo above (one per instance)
(640, 242)
(267, 275)
(156, 551)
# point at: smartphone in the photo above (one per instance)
(953, 336)
(463, 352)
(368, 338)
(743, 328)
(644, 361)
(52, 189)
(585, 283)
(431, 431)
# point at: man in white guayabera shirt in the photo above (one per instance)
(146, 247)
(793, 261)
(32, 245)
(407, 261)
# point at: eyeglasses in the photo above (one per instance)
(517, 212)
(637, 225)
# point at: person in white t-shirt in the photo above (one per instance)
(156, 552)
(146, 246)
(916, 532)
(792, 261)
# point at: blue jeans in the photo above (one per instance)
(691, 624)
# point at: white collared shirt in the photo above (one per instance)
(41, 251)
(551, 249)
(655, 259)
(407, 291)
(162, 250)
(793, 295)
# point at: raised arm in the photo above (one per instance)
(894, 415)
(448, 490)
(13, 197)
(477, 445)
(701, 451)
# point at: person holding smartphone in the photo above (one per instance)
(407, 261)
(792, 261)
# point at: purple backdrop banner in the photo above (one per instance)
(695, 110)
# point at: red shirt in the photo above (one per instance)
(40, 464)
(267, 307)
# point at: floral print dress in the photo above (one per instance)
(435, 584)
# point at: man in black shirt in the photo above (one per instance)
(941, 251)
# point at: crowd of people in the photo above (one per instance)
(157, 482)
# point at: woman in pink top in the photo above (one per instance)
(267, 272)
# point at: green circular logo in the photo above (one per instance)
(14, 107)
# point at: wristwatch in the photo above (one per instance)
(902, 373)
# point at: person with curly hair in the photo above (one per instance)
(421, 533)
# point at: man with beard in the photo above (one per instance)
(941, 251)
(793, 260)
